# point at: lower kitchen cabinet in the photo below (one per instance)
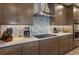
(31, 51)
(64, 43)
(54, 46)
(71, 42)
(11, 50)
(45, 47)
(31, 48)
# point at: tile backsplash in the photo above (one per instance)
(18, 30)
(62, 28)
(40, 25)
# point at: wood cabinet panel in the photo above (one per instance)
(10, 13)
(11, 50)
(16, 13)
(31, 51)
(60, 17)
(30, 45)
(55, 46)
(1, 13)
(45, 47)
(31, 48)
(63, 14)
(64, 45)
(71, 42)
(25, 13)
(69, 15)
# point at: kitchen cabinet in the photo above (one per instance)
(45, 47)
(60, 15)
(69, 15)
(10, 13)
(1, 13)
(31, 48)
(11, 50)
(31, 51)
(16, 13)
(76, 14)
(50, 46)
(54, 46)
(71, 42)
(63, 14)
(25, 13)
(66, 43)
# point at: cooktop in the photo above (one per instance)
(44, 36)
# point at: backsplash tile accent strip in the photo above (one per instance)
(40, 25)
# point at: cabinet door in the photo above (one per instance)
(71, 42)
(69, 15)
(31, 48)
(31, 51)
(25, 13)
(10, 13)
(60, 18)
(45, 47)
(55, 46)
(64, 43)
(1, 13)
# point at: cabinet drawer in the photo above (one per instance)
(13, 49)
(3, 51)
(30, 45)
(10, 50)
(45, 41)
(31, 51)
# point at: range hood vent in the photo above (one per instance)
(42, 9)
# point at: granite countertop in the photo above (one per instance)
(19, 40)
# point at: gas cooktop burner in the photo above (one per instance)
(44, 36)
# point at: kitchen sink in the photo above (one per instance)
(44, 36)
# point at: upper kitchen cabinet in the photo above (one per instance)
(58, 10)
(76, 14)
(63, 14)
(25, 13)
(1, 13)
(10, 13)
(17, 13)
(69, 15)
(59, 14)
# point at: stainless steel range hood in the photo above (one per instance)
(42, 9)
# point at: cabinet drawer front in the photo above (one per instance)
(3, 51)
(15, 53)
(45, 41)
(30, 45)
(10, 49)
(14, 48)
(31, 51)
